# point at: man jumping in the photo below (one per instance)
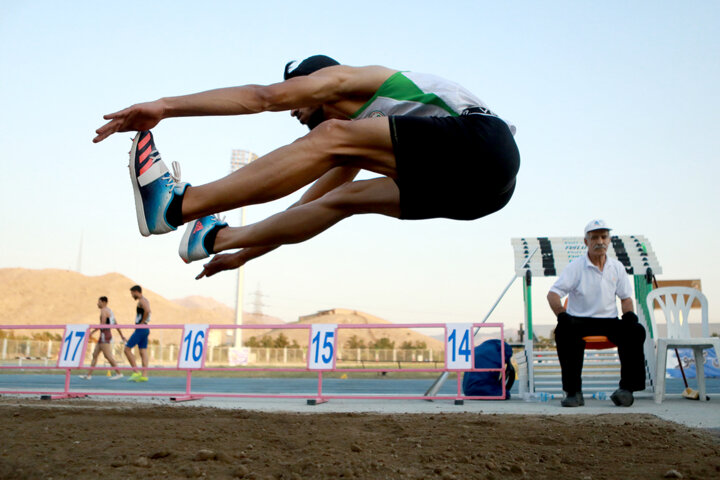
(441, 151)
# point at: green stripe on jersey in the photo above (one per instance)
(399, 87)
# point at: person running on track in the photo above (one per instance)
(104, 343)
(140, 336)
(440, 151)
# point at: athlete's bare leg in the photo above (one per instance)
(379, 195)
(107, 352)
(131, 358)
(144, 359)
(364, 144)
(96, 354)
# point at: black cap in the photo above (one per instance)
(308, 66)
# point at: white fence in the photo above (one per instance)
(46, 352)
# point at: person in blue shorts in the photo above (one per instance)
(140, 337)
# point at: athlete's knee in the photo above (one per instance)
(331, 130)
(331, 137)
(347, 198)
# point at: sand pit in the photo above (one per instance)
(87, 439)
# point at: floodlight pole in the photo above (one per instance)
(239, 159)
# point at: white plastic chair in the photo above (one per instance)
(675, 303)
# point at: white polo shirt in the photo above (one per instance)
(592, 292)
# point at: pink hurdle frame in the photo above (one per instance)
(319, 398)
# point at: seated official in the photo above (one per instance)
(591, 283)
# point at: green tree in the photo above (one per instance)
(47, 336)
(418, 345)
(252, 342)
(383, 344)
(281, 341)
(267, 342)
(355, 342)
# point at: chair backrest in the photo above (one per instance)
(677, 309)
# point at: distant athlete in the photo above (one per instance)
(104, 343)
(441, 153)
(140, 336)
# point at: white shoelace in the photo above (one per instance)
(176, 171)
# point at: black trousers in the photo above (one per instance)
(628, 336)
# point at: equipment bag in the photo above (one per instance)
(489, 384)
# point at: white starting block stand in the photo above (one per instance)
(552, 256)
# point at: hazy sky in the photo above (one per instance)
(616, 105)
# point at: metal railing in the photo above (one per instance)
(192, 354)
(25, 351)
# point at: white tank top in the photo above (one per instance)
(423, 95)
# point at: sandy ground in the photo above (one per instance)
(87, 439)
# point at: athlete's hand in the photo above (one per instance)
(222, 262)
(139, 117)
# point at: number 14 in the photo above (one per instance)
(464, 349)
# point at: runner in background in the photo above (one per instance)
(139, 336)
(104, 343)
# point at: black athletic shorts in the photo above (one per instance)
(453, 167)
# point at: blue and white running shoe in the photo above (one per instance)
(192, 245)
(153, 185)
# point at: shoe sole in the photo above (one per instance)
(183, 251)
(139, 209)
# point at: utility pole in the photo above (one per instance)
(239, 159)
(258, 303)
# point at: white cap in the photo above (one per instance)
(597, 224)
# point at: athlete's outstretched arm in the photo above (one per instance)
(328, 85)
(229, 261)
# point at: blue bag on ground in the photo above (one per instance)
(711, 367)
(489, 384)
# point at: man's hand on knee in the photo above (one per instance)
(630, 317)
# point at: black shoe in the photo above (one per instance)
(574, 400)
(622, 397)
